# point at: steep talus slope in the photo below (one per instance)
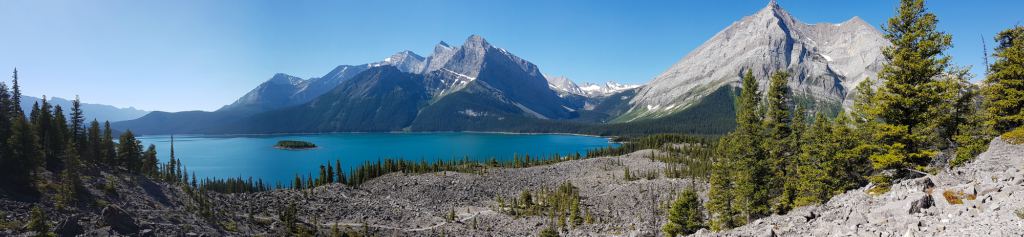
(991, 190)
(825, 60)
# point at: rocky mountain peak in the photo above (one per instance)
(825, 61)
(476, 41)
(406, 61)
(281, 78)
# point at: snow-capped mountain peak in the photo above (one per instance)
(565, 86)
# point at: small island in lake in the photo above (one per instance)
(294, 145)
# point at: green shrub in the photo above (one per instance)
(1015, 137)
(549, 232)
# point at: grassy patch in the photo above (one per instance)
(1015, 137)
(229, 226)
(1020, 213)
(882, 184)
(954, 197)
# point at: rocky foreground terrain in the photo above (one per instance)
(982, 198)
(416, 205)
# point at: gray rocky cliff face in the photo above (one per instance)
(825, 61)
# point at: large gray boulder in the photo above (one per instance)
(119, 220)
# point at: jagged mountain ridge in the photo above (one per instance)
(825, 61)
(477, 81)
(565, 86)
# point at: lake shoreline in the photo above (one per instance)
(611, 139)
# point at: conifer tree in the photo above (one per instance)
(910, 89)
(1004, 87)
(814, 163)
(94, 139)
(6, 158)
(739, 174)
(16, 95)
(129, 152)
(752, 172)
(77, 127)
(69, 178)
(109, 152)
(37, 221)
(149, 161)
(685, 216)
(59, 136)
(791, 179)
(25, 153)
(777, 125)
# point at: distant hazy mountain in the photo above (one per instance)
(563, 85)
(825, 62)
(98, 112)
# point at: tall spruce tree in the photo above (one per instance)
(16, 94)
(1004, 86)
(740, 174)
(752, 172)
(94, 139)
(910, 89)
(778, 128)
(59, 136)
(77, 128)
(107, 145)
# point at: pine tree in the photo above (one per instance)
(814, 163)
(752, 172)
(777, 146)
(129, 152)
(77, 127)
(37, 220)
(792, 178)
(60, 135)
(1004, 87)
(685, 216)
(149, 161)
(910, 91)
(16, 95)
(6, 158)
(738, 176)
(107, 144)
(93, 141)
(341, 174)
(25, 154)
(69, 179)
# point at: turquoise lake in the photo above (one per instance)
(254, 155)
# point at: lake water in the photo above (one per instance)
(255, 156)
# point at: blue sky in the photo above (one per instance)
(200, 55)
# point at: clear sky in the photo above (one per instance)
(200, 54)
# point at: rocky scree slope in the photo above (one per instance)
(982, 198)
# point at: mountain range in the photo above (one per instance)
(99, 112)
(480, 87)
